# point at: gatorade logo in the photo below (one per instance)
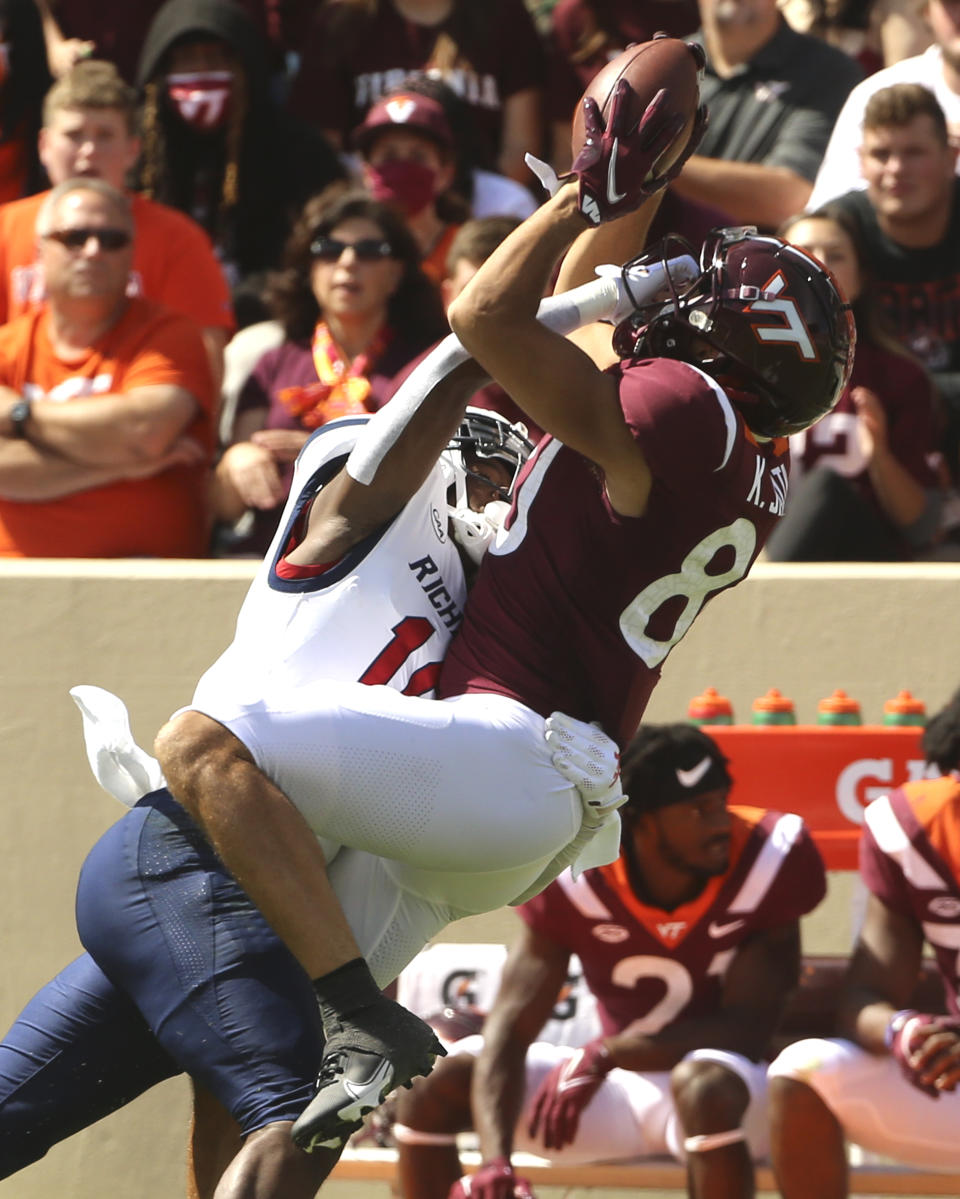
(866, 779)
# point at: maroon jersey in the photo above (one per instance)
(498, 56)
(647, 965)
(910, 859)
(575, 607)
(906, 394)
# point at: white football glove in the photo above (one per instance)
(119, 765)
(648, 282)
(587, 758)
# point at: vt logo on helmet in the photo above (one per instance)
(764, 319)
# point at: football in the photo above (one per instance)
(665, 62)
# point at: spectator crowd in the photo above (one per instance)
(291, 185)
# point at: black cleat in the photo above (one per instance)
(381, 1048)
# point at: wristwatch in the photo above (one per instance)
(19, 415)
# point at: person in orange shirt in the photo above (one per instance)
(106, 401)
(89, 130)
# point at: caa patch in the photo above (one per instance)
(439, 525)
(945, 906)
(611, 933)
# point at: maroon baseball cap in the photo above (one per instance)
(405, 110)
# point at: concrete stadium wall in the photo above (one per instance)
(146, 630)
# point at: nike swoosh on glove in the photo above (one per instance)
(494, 1180)
(615, 164)
(566, 1091)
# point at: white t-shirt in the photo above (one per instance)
(840, 170)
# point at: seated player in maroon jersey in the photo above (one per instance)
(690, 942)
(890, 1084)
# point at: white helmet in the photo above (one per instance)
(482, 435)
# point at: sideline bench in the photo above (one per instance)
(433, 981)
(652, 1174)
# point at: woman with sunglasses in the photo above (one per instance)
(356, 308)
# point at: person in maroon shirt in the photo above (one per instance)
(584, 35)
(868, 478)
(490, 54)
(690, 943)
(655, 491)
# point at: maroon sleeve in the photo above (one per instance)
(881, 875)
(257, 392)
(548, 913)
(680, 421)
(800, 885)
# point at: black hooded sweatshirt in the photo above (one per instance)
(281, 161)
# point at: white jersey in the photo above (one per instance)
(383, 614)
(840, 170)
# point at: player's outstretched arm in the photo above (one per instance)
(494, 317)
(399, 451)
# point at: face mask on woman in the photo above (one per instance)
(410, 185)
(201, 99)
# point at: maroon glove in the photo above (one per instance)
(614, 163)
(566, 1091)
(903, 1041)
(494, 1180)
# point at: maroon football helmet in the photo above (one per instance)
(763, 318)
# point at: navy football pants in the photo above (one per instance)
(182, 973)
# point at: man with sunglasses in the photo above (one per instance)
(106, 401)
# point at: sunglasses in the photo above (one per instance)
(76, 239)
(367, 249)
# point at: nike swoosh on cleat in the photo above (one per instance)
(372, 1087)
(613, 196)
